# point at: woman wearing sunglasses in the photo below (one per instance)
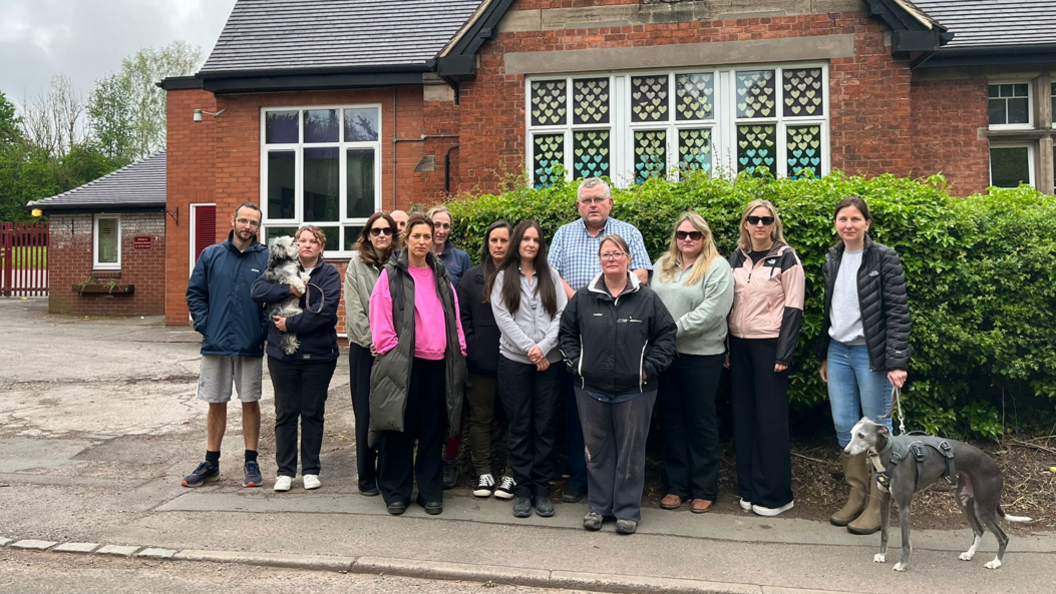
(375, 245)
(864, 347)
(696, 285)
(764, 327)
(618, 338)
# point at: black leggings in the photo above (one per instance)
(300, 394)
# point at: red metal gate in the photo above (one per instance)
(24, 259)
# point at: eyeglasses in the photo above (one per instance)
(612, 255)
(764, 220)
(376, 231)
(249, 222)
(694, 235)
(589, 201)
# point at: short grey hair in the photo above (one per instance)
(592, 182)
(438, 209)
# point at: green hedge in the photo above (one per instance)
(981, 274)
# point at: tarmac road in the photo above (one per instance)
(98, 423)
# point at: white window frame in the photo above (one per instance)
(723, 124)
(96, 264)
(1030, 146)
(344, 221)
(1030, 104)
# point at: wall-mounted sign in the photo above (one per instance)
(142, 242)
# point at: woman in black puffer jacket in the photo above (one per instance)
(864, 346)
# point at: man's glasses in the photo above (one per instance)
(376, 231)
(589, 201)
(612, 255)
(694, 235)
(249, 222)
(764, 220)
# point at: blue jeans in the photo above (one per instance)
(855, 390)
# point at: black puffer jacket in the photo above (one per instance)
(478, 324)
(882, 300)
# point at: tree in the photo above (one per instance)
(112, 126)
(54, 121)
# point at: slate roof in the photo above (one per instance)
(987, 23)
(141, 184)
(297, 34)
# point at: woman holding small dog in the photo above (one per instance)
(864, 346)
(419, 375)
(375, 244)
(301, 379)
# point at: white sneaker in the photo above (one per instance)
(283, 483)
(505, 490)
(311, 481)
(770, 512)
(746, 505)
(484, 485)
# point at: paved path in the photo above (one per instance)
(98, 422)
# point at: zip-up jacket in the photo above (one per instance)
(316, 325)
(478, 324)
(218, 297)
(360, 279)
(882, 301)
(768, 298)
(609, 342)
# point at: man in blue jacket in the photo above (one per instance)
(232, 329)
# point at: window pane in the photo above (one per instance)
(361, 125)
(1006, 90)
(590, 101)
(694, 96)
(109, 241)
(281, 178)
(803, 92)
(548, 158)
(650, 154)
(548, 99)
(755, 148)
(997, 111)
(590, 153)
(320, 125)
(694, 150)
(803, 151)
(359, 165)
(1009, 166)
(321, 173)
(1018, 112)
(273, 232)
(755, 94)
(993, 91)
(649, 98)
(280, 127)
(1019, 90)
(352, 236)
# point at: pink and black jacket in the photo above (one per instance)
(768, 298)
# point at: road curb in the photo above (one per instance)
(310, 562)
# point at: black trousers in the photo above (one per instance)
(300, 395)
(530, 400)
(577, 462)
(360, 362)
(424, 421)
(690, 426)
(760, 422)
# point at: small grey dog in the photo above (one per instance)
(284, 267)
(979, 484)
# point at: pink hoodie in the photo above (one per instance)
(430, 334)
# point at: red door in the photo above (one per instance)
(204, 229)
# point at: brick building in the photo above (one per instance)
(324, 112)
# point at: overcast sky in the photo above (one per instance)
(86, 39)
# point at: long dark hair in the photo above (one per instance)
(367, 253)
(510, 269)
(487, 263)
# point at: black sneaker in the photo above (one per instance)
(573, 494)
(522, 507)
(543, 507)
(484, 485)
(592, 521)
(505, 490)
(206, 472)
(450, 474)
(626, 526)
(253, 476)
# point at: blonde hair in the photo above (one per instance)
(776, 230)
(671, 263)
(440, 209)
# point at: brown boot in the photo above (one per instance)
(869, 521)
(856, 473)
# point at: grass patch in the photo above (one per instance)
(34, 258)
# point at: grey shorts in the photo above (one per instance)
(219, 373)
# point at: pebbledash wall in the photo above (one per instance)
(217, 160)
(142, 265)
(880, 121)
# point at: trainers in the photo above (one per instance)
(592, 521)
(484, 485)
(573, 494)
(522, 507)
(746, 505)
(626, 526)
(450, 474)
(543, 506)
(770, 512)
(505, 490)
(253, 476)
(206, 472)
(283, 483)
(311, 482)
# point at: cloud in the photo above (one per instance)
(86, 39)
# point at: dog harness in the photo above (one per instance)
(920, 447)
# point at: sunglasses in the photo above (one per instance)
(764, 220)
(376, 231)
(694, 235)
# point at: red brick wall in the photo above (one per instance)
(947, 115)
(70, 262)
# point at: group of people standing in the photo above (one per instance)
(582, 325)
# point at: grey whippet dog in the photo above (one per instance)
(978, 483)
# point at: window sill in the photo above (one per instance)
(1021, 134)
(116, 289)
